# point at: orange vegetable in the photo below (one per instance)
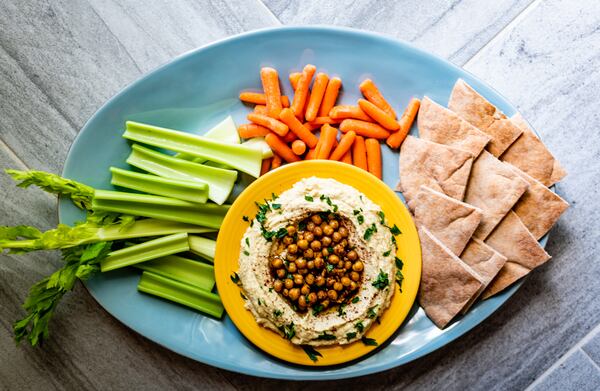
(347, 157)
(406, 121)
(359, 153)
(288, 117)
(371, 92)
(276, 162)
(298, 147)
(280, 148)
(316, 96)
(294, 77)
(301, 94)
(252, 130)
(365, 129)
(270, 83)
(373, 156)
(290, 137)
(380, 116)
(260, 109)
(344, 146)
(260, 99)
(324, 120)
(328, 137)
(276, 126)
(348, 111)
(311, 126)
(311, 154)
(330, 97)
(266, 165)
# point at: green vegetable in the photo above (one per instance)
(382, 280)
(395, 230)
(181, 269)
(370, 231)
(152, 249)
(224, 131)
(369, 341)
(220, 181)
(209, 215)
(242, 158)
(203, 247)
(326, 337)
(311, 352)
(260, 144)
(199, 299)
(175, 188)
(350, 336)
(359, 326)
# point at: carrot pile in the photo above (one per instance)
(348, 133)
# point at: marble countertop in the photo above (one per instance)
(60, 60)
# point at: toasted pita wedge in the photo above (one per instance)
(530, 155)
(438, 166)
(479, 112)
(451, 221)
(440, 125)
(523, 252)
(447, 283)
(539, 208)
(494, 188)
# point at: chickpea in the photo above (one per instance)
(277, 285)
(288, 283)
(276, 263)
(288, 240)
(352, 255)
(309, 236)
(302, 271)
(294, 294)
(291, 230)
(319, 263)
(308, 253)
(332, 295)
(310, 226)
(325, 303)
(310, 265)
(300, 237)
(330, 281)
(292, 267)
(334, 224)
(338, 286)
(285, 292)
(292, 248)
(347, 265)
(340, 265)
(318, 232)
(354, 276)
(338, 249)
(358, 266)
(301, 263)
(316, 219)
(333, 259)
(343, 231)
(325, 252)
(315, 245)
(327, 230)
(326, 241)
(305, 290)
(312, 297)
(309, 279)
(298, 279)
(281, 273)
(291, 257)
(303, 244)
(345, 281)
(302, 302)
(353, 286)
(321, 295)
(336, 236)
(320, 281)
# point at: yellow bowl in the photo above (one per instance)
(277, 181)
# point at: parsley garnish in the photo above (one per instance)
(243, 297)
(399, 263)
(276, 206)
(370, 231)
(317, 309)
(235, 278)
(359, 326)
(388, 252)
(360, 219)
(369, 341)
(277, 313)
(247, 241)
(371, 312)
(274, 196)
(399, 275)
(281, 232)
(395, 230)
(302, 226)
(309, 198)
(259, 302)
(326, 337)
(341, 311)
(288, 330)
(329, 267)
(356, 212)
(311, 352)
(381, 217)
(350, 336)
(330, 249)
(382, 280)
(355, 299)
(246, 253)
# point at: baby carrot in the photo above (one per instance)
(280, 149)
(373, 156)
(276, 162)
(347, 157)
(365, 129)
(301, 94)
(348, 111)
(260, 109)
(260, 99)
(298, 147)
(252, 130)
(294, 77)
(406, 121)
(276, 126)
(328, 135)
(287, 117)
(371, 92)
(324, 120)
(316, 96)
(290, 137)
(270, 83)
(359, 153)
(312, 125)
(331, 95)
(344, 146)
(380, 116)
(266, 165)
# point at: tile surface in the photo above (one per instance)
(60, 60)
(576, 373)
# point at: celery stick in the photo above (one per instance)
(245, 159)
(181, 293)
(260, 144)
(220, 181)
(165, 208)
(225, 131)
(175, 188)
(203, 247)
(151, 249)
(181, 269)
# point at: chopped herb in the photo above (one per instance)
(330, 249)
(309, 198)
(361, 199)
(317, 309)
(388, 252)
(289, 275)
(235, 278)
(259, 302)
(341, 309)
(246, 253)
(242, 295)
(245, 218)
(261, 215)
(355, 299)
(369, 341)
(302, 226)
(360, 219)
(277, 313)
(271, 289)
(382, 280)
(394, 240)
(371, 312)
(322, 197)
(288, 330)
(356, 212)
(252, 223)
(399, 278)
(370, 231)
(281, 233)
(381, 217)
(359, 326)
(395, 230)
(350, 336)
(311, 352)
(276, 206)
(267, 234)
(247, 241)
(326, 337)
(399, 263)
(274, 196)
(329, 267)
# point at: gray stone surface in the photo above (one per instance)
(576, 373)
(592, 347)
(60, 60)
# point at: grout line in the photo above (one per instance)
(569, 353)
(13, 155)
(270, 12)
(591, 359)
(515, 21)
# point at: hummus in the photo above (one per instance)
(359, 304)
